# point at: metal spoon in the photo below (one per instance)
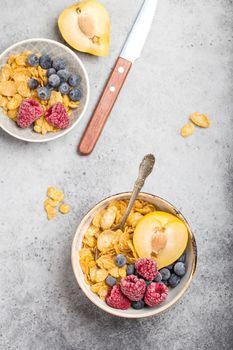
(145, 169)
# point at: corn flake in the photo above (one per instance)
(23, 89)
(8, 88)
(114, 272)
(103, 292)
(3, 101)
(64, 208)
(187, 130)
(51, 213)
(108, 218)
(105, 240)
(55, 98)
(55, 194)
(12, 114)
(5, 72)
(200, 120)
(106, 262)
(20, 60)
(14, 102)
(97, 257)
(101, 275)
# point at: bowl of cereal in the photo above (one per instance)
(141, 270)
(44, 90)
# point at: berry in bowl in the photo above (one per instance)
(141, 270)
(44, 90)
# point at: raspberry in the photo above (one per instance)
(117, 299)
(29, 111)
(57, 116)
(147, 268)
(156, 293)
(133, 287)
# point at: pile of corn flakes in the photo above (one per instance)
(55, 199)
(14, 76)
(101, 244)
(195, 119)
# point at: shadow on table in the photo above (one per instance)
(84, 309)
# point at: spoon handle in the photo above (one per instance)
(145, 169)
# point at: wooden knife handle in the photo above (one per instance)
(105, 105)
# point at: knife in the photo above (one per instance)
(130, 52)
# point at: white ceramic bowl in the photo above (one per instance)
(74, 65)
(174, 294)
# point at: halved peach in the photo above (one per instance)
(160, 236)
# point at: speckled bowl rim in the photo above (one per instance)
(68, 50)
(154, 311)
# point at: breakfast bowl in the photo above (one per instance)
(174, 294)
(16, 73)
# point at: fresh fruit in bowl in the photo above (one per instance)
(85, 26)
(166, 237)
(115, 276)
(37, 74)
(36, 97)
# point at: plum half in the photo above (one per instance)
(161, 236)
(86, 27)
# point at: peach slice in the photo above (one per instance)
(160, 236)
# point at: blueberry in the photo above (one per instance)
(165, 274)
(51, 71)
(182, 258)
(165, 282)
(158, 278)
(48, 86)
(174, 280)
(137, 305)
(111, 281)
(74, 80)
(130, 269)
(75, 95)
(180, 269)
(33, 84)
(148, 283)
(63, 75)
(120, 260)
(64, 89)
(54, 80)
(59, 63)
(169, 267)
(45, 62)
(33, 60)
(44, 93)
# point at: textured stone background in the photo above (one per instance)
(186, 66)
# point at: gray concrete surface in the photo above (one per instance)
(186, 66)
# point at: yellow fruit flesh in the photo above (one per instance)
(86, 27)
(143, 235)
(176, 237)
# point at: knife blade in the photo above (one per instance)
(138, 35)
(131, 51)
